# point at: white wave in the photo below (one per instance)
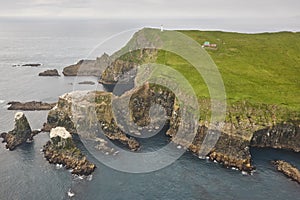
(89, 178)
(244, 173)
(70, 193)
(2, 101)
(59, 166)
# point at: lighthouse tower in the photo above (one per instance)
(161, 28)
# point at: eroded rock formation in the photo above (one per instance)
(20, 134)
(61, 149)
(288, 169)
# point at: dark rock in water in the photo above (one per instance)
(50, 72)
(20, 134)
(282, 136)
(88, 67)
(288, 169)
(31, 106)
(61, 149)
(31, 65)
(86, 83)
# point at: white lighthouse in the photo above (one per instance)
(161, 28)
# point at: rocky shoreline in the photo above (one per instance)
(287, 169)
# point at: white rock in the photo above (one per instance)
(19, 115)
(60, 132)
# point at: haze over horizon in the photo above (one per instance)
(267, 9)
(231, 15)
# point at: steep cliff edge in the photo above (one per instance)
(282, 136)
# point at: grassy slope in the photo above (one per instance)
(258, 68)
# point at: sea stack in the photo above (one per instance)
(61, 149)
(20, 134)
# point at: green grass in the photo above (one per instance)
(257, 68)
(260, 71)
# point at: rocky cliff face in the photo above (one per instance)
(125, 65)
(235, 138)
(281, 136)
(20, 134)
(62, 150)
(81, 112)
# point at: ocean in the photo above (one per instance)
(26, 175)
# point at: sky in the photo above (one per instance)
(267, 9)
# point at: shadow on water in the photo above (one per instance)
(264, 156)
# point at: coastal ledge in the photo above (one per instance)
(287, 169)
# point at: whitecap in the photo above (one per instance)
(59, 166)
(70, 193)
(179, 147)
(2, 101)
(89, 178)
(244, 173)
(234, 168)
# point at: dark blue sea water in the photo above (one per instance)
(25, 175)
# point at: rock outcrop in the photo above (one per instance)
(83, 113)
(86, 83)
(31, 65)
(50, 72)
(88, 67)
(62, 150)
(30, 106)
(289, 170)
(125, 65)
(20, 134)
(281, 136)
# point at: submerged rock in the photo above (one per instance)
(30, 106)
(62, 150)
(20, 134)
(288, 169)
(50, 72)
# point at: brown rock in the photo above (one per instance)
(288, 169)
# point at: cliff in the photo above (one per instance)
(257, 114)
(89, 111)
